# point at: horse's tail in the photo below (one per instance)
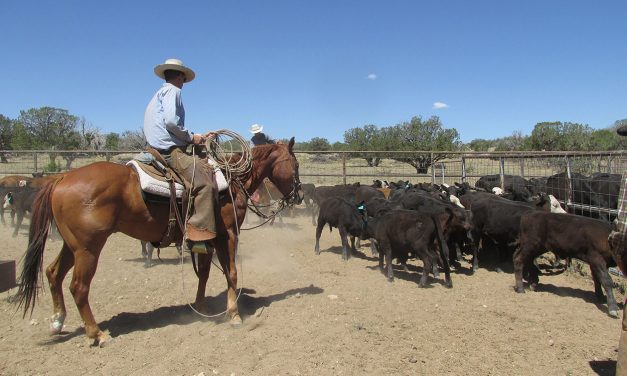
(33, 258)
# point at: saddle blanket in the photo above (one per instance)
(152, 185)
(149, 183)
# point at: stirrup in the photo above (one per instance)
(198, 247)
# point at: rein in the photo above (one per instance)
(284, 202)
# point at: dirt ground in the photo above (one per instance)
(309, 315)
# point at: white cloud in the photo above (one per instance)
(372, 76)
(439, 105)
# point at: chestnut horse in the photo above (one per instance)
(92, 202)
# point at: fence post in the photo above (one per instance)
(108, 156)
(432, 170)
(609, 164)
(502, 172)
(569, 194)
(344, 167)
(35, 161)
(463, 169)
(522, 167)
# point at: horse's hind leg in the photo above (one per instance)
(85, 263)
(56, 272)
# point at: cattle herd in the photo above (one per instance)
(514, 219)
(438, 224)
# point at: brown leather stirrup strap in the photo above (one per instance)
(175, 216)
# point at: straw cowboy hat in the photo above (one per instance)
(256, 128)
(177, 65)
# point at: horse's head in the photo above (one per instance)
(284, 173)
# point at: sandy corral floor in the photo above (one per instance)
(309, 315)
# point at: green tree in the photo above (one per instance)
(366, 138)
(420, 135)
(6, 136)
(49, 128)
(480, 144)
(515, 142)
(339, 146)
(566, 136)
(319, 144)
(112, 141)
(607, 139)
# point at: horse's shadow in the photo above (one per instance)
(129, 322)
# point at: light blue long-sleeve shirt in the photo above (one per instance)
(164, 119)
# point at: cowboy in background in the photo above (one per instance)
(618, 245)
(164, 128)
(259, 138)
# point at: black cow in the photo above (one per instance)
(308, 194)
(8, 184)
(566, 235)
(365, 193)
(458, 234)
(401, 232)
(607, 187)
(346, 217)
(516, 186)
(496, 220)
(377, 206)
(582, 192)
(21, 201)
(321, 193)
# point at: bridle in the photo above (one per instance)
(290, 199)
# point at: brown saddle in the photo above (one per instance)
(159, 170)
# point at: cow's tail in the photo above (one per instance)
(33, 258)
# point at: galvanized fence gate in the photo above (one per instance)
(570, 169)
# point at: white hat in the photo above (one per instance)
(177, 65)
(256, 128)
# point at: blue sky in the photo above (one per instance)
(317, 68)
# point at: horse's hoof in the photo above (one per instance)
(101, 340)
(449, 284)
(520, 290)
(56, 327)
(533, 287)
(56, 323)
(613, 313)
(236, 321)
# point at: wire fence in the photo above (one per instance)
(585, 182)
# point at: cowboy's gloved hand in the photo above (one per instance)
(198, 139)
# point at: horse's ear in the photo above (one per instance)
(291, 144)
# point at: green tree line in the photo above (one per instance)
(49, 128)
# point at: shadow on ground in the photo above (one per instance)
(127, 322)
